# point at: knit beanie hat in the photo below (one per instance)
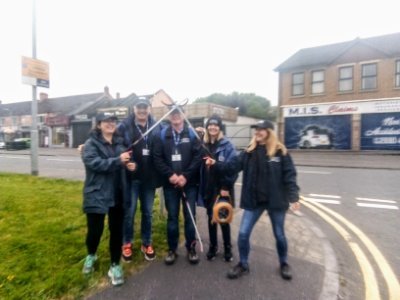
(215, 120)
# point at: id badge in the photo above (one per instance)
(176, 157)
(146, 152)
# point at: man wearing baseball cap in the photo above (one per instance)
(143, 182)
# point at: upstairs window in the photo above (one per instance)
(368, 76)
(397, 75)
(345, 79)
(297, 84)
(317, 82)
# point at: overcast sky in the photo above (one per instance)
(188, 48)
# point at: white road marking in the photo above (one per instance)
(315, 172)
(377, 205)
(322, 200)
(16, 157)
(375, 200)
(60, 159)
(325, 196)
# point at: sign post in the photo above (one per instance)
(36, 73)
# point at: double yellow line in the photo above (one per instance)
(371, 285)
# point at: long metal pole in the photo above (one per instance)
(34, 129)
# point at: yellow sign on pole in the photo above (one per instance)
(35, 72)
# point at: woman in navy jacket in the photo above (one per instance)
(103, 193)
(218, 176)
(269, 183)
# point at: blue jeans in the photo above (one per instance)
(249, 219)
(144, 193)
(173, 198)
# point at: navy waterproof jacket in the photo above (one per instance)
(191, 156)
(145, 171)
(225, 169)
(281, 182)
(100, 167)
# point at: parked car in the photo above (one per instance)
(314, 136)
(19, 144)
(2, 145)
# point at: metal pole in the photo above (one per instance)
(34, 129)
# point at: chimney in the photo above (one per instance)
(106, 91)
(118, 96)
(43, 96)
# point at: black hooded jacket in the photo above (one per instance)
(129, 131)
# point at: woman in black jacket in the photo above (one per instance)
(105, 162)
(218, 175)
(269, 183)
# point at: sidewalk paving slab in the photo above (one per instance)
(208, 280)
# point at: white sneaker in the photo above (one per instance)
(116, 274)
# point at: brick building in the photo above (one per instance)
(342, 96)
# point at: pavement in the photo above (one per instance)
(311, 255)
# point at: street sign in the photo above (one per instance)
(35, 72)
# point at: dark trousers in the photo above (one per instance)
(173, 199)
(212, 229)
(95, 225)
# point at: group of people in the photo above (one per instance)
(126, 163)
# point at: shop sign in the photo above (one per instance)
(343, 108)
(380, 131)
(59, 120)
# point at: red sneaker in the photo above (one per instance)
(148, 251)
(127, 252)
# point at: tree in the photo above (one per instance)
(249, 104)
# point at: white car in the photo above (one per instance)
(315, 137)
(2, 145)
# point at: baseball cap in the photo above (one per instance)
(141, 100)
(102, 116)
(264, 124)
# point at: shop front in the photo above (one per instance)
(59, 130)
(350, 125)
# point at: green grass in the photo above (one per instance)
(42, 240)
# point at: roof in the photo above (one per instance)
(61, 105)
(388, 45)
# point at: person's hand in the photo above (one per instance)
(209, 161)
(295, 206)
(80, 148)
(200, 130)
(173, 179)
(125, 157)
(224, 193)
(181, 181)
(131, 166)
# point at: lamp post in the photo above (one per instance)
(34, 129)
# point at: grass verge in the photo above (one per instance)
(42, 238)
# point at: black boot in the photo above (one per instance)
(212, 252)
(238, 271)
(228, 254)
(286, 272)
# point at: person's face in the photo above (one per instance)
(107, 126)
(261, 135)
(213, 130)
(176, 119)
(141, 111)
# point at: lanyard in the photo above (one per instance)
(177, 138)
(141, 133)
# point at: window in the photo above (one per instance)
(317, 82)
(368, 76)
(345, 79)
(297, 84)
(397, 75)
